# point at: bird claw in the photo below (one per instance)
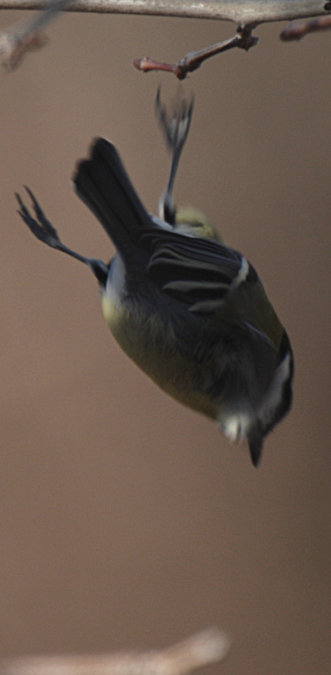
(39, 226)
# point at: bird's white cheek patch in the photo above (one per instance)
(235, 426)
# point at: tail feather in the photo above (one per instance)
(103, 185)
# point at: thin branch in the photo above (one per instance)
(18, 40)
(298, 29)
(27, 36)
(192, 61)
(207, 647)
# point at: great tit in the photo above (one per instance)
(189, 311)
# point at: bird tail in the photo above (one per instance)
(103, 185)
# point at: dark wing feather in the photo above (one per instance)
(197, 271)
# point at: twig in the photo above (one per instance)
(16, 41)
(207, 647)
(243, 39)
(298, 29)
(24, 37)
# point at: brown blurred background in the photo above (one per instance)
(128, 521)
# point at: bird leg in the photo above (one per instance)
(44, 230)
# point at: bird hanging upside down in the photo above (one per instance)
(189, 311)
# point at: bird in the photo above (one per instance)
(190, 311)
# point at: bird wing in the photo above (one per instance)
(199, 272)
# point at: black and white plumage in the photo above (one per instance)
(190, 311)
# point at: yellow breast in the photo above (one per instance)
(151, 344)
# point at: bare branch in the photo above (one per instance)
(193, 60)
(298, 29)
(13, 46)
(16, 41)
(240, 11)
(27, 36)
(207, 647)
